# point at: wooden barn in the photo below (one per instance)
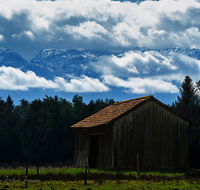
(115, 135)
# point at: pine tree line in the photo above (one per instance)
(41, 128)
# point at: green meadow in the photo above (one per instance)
(73, 179)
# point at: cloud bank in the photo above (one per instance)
(30, 26)
(15, 79)
(135, 72)
(99, 24)
(147, 72)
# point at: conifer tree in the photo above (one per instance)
(186, 102)
(188, 105)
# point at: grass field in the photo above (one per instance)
(75, 171)
(73, 179)
(123, 184)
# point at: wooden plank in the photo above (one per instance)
(180, 144)
(145, 131)
(128, 131)
(162, 139)
(170, 142)
(76, 147)
(159, 140)
(137, 135)
(113, 146)
(151, 153)
(149, 137)
(131, 142)
(167, 154)
(141, 140)
(156, 123)
(134, 137)
(182, 147)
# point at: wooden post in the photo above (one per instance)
(26, 185)
(26, 170)
(138, 171)
(37, 166)
(88, 166)
(85, 181)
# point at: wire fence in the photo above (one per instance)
(133, 162)
(32, 162)
(107, 161)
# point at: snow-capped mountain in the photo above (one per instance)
(194, 53)
(59, 62)
(99, 73)
(50, 63)
(10, 59)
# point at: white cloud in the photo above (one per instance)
(180, 6)
(190, 37)
(146, 70)
(2, 39)
(23, 34)
(135, 63)
(126, 61)
(153, 24)
(193, 32)
(15, 79)
(178, 77)
(165, 61)
(29, 34)
(153, 71)
(81, 84)
(111, 25)
(191, 62)
(140, 85)
(86, 29)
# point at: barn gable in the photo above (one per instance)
(115, 135)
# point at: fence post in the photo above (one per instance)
(26, 176)
(26, 185)
(138, 170)
(88, 166)
(85, 181)
(37, 166)
(26, 170)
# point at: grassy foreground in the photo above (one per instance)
(73, 179)
(76, 171)
(123, 184)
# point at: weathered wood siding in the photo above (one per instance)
(81, 147)
(105, 145)
(155, 134)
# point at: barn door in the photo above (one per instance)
(93, 154)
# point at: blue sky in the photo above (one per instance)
(29, 26)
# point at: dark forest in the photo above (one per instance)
(41, 128)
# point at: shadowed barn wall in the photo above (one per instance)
(149, 129)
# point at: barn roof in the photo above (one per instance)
(113, 112)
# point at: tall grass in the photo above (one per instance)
(105, 174)
(75, 171)
(71, 171)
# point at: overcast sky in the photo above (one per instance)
(28, 26)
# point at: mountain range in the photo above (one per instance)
(50, 63)
(98, 73)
